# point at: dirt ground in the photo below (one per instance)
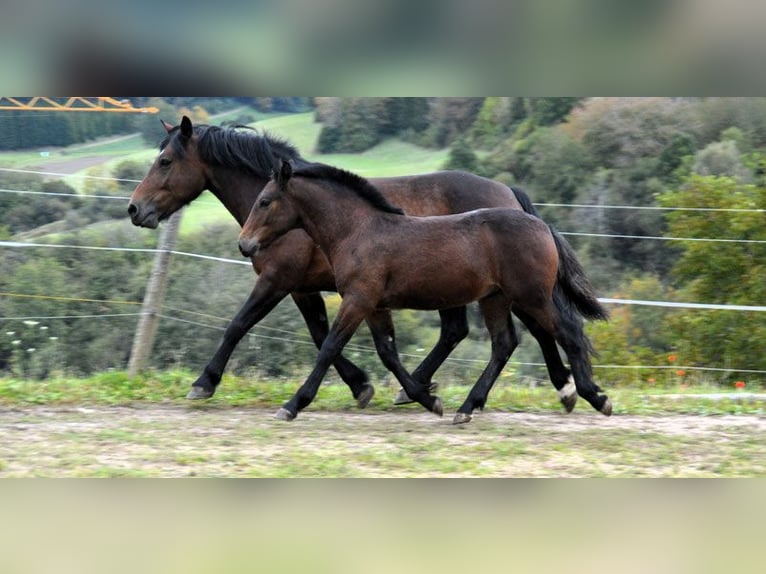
(67, 166)
(172, 440)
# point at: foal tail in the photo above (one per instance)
(574, 286)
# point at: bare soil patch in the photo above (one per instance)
(69, 166)
(172, 440)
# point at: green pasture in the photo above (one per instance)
(391, 157)
(255, 390)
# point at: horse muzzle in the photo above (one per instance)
(143, 217)
(248, 246)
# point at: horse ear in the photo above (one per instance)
(166, 125)
(285, 172)
(186, 127)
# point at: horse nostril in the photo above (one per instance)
(247, 247)
(132, 209)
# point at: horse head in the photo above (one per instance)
(176, 177)
(272, 213)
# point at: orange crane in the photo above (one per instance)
(40, 103)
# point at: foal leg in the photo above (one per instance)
(454, 328)
(504, 340)
(263, 298)
(347, 321)
(382, 329)
(312, 307)
(571, 336)
(561, 377)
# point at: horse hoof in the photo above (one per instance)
(284, 415)
(569, 402)
(196, 393)
(606, 408)
(461, 418)
(365, 396)
(402, 398)
(437, 407)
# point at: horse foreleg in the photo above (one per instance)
(346, 323)
(312, 307)
(263, 298)
(504, 340)
(454, 328)
(382, 329)
(561, 377)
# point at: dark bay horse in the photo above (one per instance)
(382, 259)
(235, 164)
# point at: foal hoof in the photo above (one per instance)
(402, 398)
(284, 415)
(461, 418)
(606, 408)
(196, 393)
(569, 402)
(365, 396)
(437, 407)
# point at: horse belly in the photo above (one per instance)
(435, 284)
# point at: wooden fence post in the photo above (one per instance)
(143, 341)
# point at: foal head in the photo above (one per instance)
(272, 214)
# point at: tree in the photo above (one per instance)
(721, 158)
(461, 156)
(149, 124)
(357, 125)
(728, 273)
(492, 123)
(550, 111)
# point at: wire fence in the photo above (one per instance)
(294, 337)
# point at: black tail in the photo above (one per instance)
(572, 281)
(525, 201)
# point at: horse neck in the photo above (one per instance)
(236, 190)
(329, 217)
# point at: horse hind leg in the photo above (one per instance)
(497, 317)
(569, 333)
(561, 377)
(567, 330)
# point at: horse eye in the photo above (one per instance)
(264, 202)
(164, 161)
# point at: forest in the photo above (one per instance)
(662, 198)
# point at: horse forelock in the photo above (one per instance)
(240, 147)
(359, 185)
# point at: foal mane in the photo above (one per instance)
(356, 183)
(239, 147)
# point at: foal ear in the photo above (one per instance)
(186, 127)
(285, 172)
(166, 125)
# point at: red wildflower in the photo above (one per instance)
(680, 372)
(740, 384)
(672, 358)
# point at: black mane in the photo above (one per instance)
(358, 184)
(237, 147)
